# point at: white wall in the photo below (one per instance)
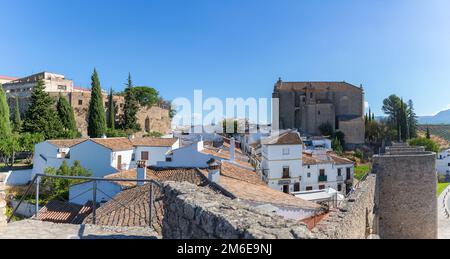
(19, 177)
(442, 165)
(82, 193)
(156, 154)
(188, 156)
(50, 152)
(127, 155)
(94, 157)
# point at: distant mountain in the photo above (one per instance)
(441, 118)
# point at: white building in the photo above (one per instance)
(53, 83)
(102, 156)
(285, 166)
(443, 163)
(7, 79)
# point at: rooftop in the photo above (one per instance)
(286, 138)
(66, 143)
(281, 85)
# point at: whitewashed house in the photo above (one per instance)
(52, 153)
(443, 163)
(281, 163)
(154, 150)
(287, 167)
(187, 156)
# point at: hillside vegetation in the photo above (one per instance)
(439, 134)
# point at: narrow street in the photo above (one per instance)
(443, 218)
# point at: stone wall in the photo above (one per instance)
(192, 212)
(355, 217)
(406, 188)
(150, 118)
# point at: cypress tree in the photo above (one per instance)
(5, 124)
(17, 119)
(66, 114)
(111, 111)
(97, 117)
(428, 136)
(130, 108)
(41, 116)
(412, 120)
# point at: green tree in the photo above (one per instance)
(58, 187)
(146, 96)
(66, 114)
(97, 117)
(17, 123)
(5, 124)
(111, 111)
(41, 116)
(326, 129)
(412, 120)
(428, 135)
(337, 146)
(9, 145)
(429, 144)
(130, 108)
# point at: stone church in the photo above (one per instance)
(307, 105)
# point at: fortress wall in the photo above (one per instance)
(355, 217)
(406, 188)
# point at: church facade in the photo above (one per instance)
(308, 105)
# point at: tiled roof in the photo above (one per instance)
(160, 174)
(246, 185)
(311, 160)
(154, 142)
(65, 143)
(287, 138)
(63, 212)
(130, 208)
(225, 154)
(340, 160)
(115, 144)
(8, 77)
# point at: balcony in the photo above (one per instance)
(323, 178)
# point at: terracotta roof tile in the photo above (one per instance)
(115, 144)
(65, 143)
(287, 138)
(63, 212)
(317, 86)
(154, 142)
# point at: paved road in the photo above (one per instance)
(443, 221)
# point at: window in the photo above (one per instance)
(311, 95)
(309, 167)
(168, 159)
(339, 172)
(286, 188)
(296, 187)
(285, 151)
(309, 175)
(80, 102)
(62, 87)
(339, 187)
(448, 164)
(309, 188)
(322, 172)
(349, 174)
(144, 155)
(318, 112)
(286, 172)
(322, 187)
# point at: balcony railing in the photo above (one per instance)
(323, 178)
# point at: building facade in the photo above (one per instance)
(306, 106)
(155, 118)
(286, 166)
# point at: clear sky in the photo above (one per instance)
(236, 48)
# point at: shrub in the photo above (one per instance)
(429, 144)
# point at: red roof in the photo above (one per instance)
(8, 77)
(81, 89)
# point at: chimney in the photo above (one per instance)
(213, 171)
(131, 137)
(232, 147)
(104, 136)
(141, 171)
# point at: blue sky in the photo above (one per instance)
(236, 48)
